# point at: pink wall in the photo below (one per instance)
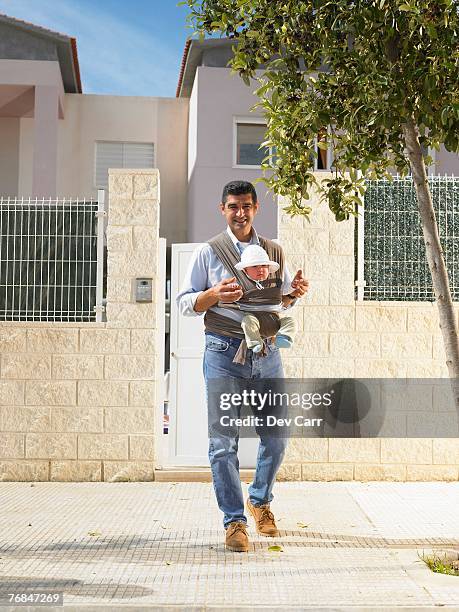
(45, 80)
(446, 162)
(44, 172)
(9, 156)
(90, 118)
(220, 97)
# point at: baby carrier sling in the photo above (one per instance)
(271, 294)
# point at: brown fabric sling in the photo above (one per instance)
(227, 253)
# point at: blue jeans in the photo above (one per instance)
(224, 463)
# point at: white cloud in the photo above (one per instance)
(115, 57)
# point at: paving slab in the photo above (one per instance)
(160, 546)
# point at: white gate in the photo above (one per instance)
(188, 439)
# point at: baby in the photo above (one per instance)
(257, 266)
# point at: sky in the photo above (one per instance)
(125, 47)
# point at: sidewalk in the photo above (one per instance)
(160, 545)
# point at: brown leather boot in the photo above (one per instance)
(236, 537)
(264, 520)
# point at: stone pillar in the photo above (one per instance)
(46, 117)
(132, 244)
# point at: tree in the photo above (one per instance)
(381, 75)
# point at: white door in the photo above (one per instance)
(187, 435)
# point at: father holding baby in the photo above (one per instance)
(242, 294)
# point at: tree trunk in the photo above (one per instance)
(435, 257)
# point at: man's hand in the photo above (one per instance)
(299, 285)
(228, 290)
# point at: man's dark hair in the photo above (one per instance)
(239, 188)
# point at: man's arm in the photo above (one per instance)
(226, 290)
(194, 283)
(299, 285)
(195, 296)
(288, 300)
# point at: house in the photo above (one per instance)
(223, 136)
(81, 398)
(58, 141)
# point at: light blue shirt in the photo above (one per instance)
(205, 270)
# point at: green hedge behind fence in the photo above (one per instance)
(395, 261)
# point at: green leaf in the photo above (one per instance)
(444, 116)
(275, 548)
(263, 89)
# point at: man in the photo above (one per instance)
(210, 289)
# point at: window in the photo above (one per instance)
(121, 155)
(248, 136)
(250, 133)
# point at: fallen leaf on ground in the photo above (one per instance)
(276, 548)
(302, 525)
(169, 563)
(94, 533)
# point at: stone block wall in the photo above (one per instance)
(341, 337)
(77, 401)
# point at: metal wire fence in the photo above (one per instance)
(395, 265)
(51, 267)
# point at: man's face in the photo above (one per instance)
(239, 211)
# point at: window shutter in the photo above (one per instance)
(121, 155)
(138, 155)
(108, 155)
